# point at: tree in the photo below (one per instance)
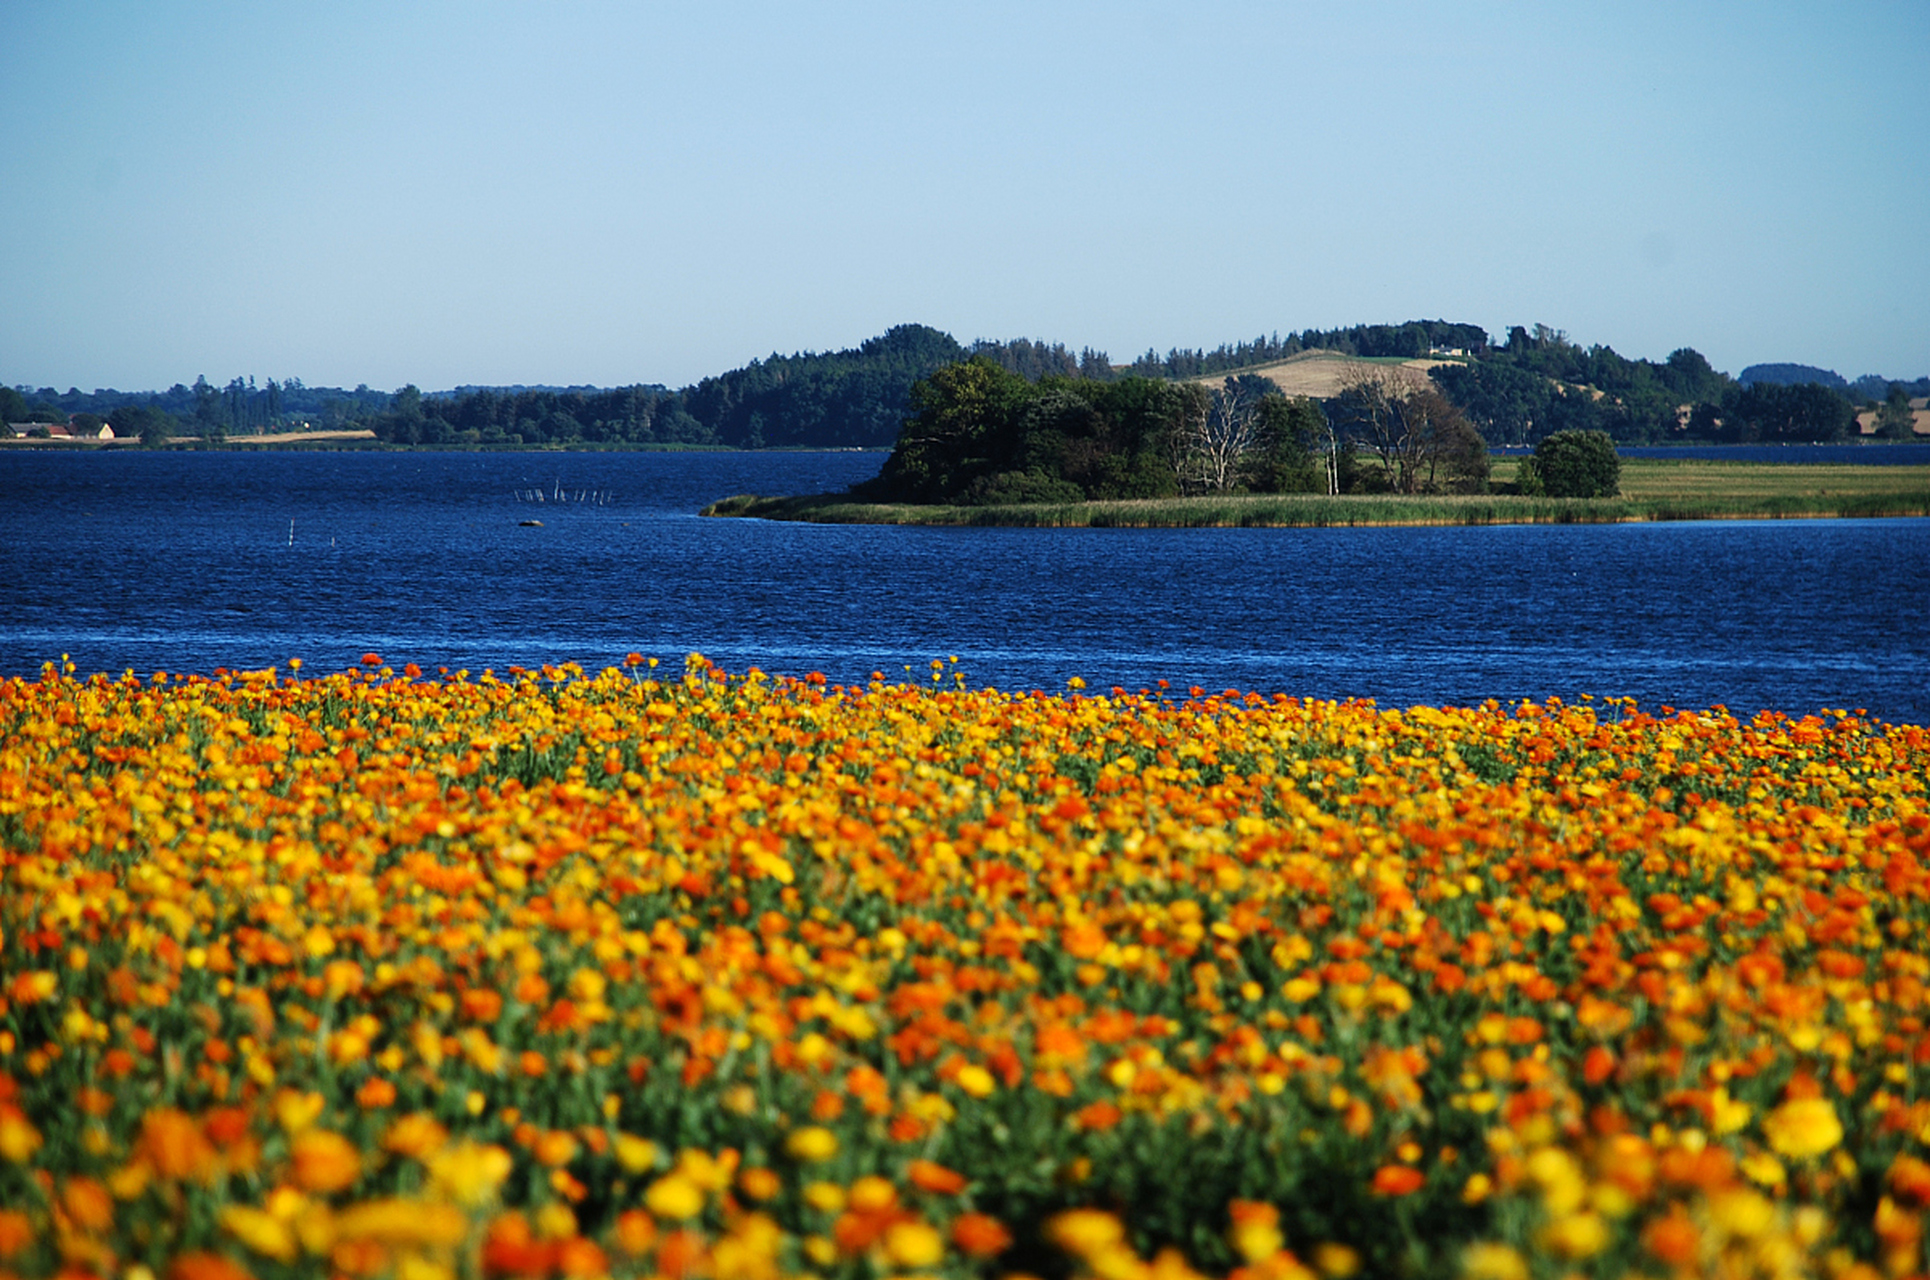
(1894, 420)
(954, 434)
(152, 425)
(1217, 436)
(1787, 414)
(1423, 443)
(1574, 464)
(1290, 431)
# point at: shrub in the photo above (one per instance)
(1528, 480)
(1578, 464)
(1010, 487)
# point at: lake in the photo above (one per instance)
(194, 561)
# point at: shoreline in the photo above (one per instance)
(1097, 515)
(1653, 490)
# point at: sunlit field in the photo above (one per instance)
(677, 973)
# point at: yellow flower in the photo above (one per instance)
(1085, 1231)
(976, 1080)
(403, 1223)
(825, 1197)
(635, 1154)
(1492, 1262)
(914, 1244)
(1742, 1213)
(812, 1143)
(18, 1138)
(296, 1111)
(674, 1196)
(1802, 1128)
(1579, 1235)
(469, 1173)
(260, 1231)
(1337, 1261)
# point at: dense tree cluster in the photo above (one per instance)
(980, 434)
(1539, 382)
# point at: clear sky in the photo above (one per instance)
(607, 193)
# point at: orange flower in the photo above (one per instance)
(930, 1176)
(88, 1205)
(175, 1147)
(1398, 1180)
(416, 1135)
(207, 1266)
(376, 1092)
(980, 1234)
(555, 1148)
(682, 1253)
(16, 1232)
(580, 1258)
(1083, 941)
(1673, 1239)
(1910, 1179)
(1097, 1116)
(325, 1161)
(636, 1232)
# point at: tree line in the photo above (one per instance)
(1539, 382)
(1535, 383)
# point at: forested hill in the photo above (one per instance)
(1535, 382)
(855, 398)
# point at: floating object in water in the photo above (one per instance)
(530, 524)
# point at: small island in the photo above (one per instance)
(986, 446)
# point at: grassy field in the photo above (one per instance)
(1652, 489)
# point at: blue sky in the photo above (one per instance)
(613, 193)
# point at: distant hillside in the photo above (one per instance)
(1516, 391)
(1322, 374)
(1792, 375)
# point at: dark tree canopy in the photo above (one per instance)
(1574, 464)
(980, 434)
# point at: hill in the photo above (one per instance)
(1792, 375)
(1320, 375)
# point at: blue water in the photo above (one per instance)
(187, 562)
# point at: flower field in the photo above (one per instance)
(735, 977)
